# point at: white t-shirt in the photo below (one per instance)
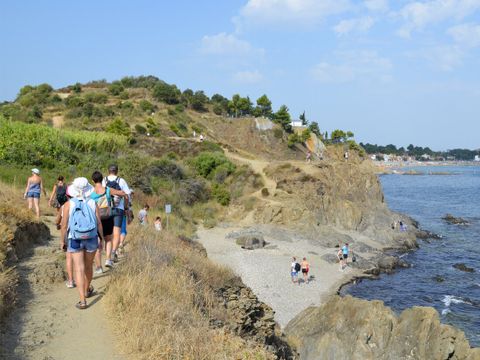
(293, 266)
(123, 186)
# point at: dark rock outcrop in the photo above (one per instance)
(449, 218)
(252, 319)
(464, 268)
(425, 235)
(350, 328)
(251, 242)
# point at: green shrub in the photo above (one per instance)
(221, 173)
(221, 194)
(96, 97)
(119, 127)
(306, 135)
(124, 95)
(293, 139)
(146, 106)
(179, 108)
(115, 88)
(171, 112)
(152, 127)
(278, 133)
(142, 130)
(206, 163)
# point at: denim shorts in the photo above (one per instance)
(89, 245)
(124, 226)
(118, 215)
(32, 194)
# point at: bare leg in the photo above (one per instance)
(108, 247)
(69, 265)
(30, 203)
(116, 238)
(88, 260)
(98, 256)
(37, 207)
(79, 273)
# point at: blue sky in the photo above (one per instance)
(391, 71)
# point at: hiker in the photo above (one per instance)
(33, 190)
(82, 226)
(143, 215)
(305, 269)
(346, 155)
(158, 223)
(59, 194)
(343, 256)
(63, 245)
(309, 156)
(295, 268)
(201, 137)
(103, 197)
(119, 205)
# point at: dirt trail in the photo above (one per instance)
(46, 325)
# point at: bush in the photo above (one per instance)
(146, 106)
(265, 192)
(293, 139)
(179, 108)
(221, 173)
(77, 88)
(96, 97)
(152, 127)
(218, 109)
(192, 191)
(140, 129)
(115, 88)
(166, 93)
(166, 169)
(221, 194)
(278, 133)
(206, 163)
(119, 127)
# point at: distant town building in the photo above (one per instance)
(477, 158)
(425, 157)
(296, 123)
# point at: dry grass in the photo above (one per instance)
(163, 299)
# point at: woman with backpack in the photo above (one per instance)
(82, 226)
(59, 194)
(102, 195)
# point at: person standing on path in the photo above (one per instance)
(305, 269)
(119, 204)
(143, 215)
(59, 194)
(103, 197)
(33, 190)
(82, 225)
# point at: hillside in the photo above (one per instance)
(246, 179)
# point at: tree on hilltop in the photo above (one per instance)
(166, 93)
(315, 129)
(282, 117)
(199, 101)
(264, 106)
(303, 118)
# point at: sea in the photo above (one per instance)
(432, 280)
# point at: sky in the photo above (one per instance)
(391, 71)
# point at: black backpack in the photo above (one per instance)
(114, 184)
(297, 267)
(62, 194)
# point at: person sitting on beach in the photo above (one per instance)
(158, 224)
(294, 269)
(305, 269)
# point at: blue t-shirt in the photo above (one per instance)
(96, 197)
(345, 250)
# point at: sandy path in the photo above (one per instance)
(46, 325)
(267, 271)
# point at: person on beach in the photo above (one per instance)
(343, 256)
(59, 194)
(119, 205)
(82, 226)
(294, 269)
(143, 215)
(63, 245)
(158, 223)
(305, 269)
(103, 198)
(33, 190)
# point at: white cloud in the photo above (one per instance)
(354, 65)
(248, 77)
(467, 35)
(376, 5)
(299, 12)
(417, 15)
(444, 58)
(362, 24)
(227, 44)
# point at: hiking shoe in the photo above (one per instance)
(98, 271)
(115, 257)
(109, 263)
(70, 285)
(81, 305)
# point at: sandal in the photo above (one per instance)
(81, 305)
(90, 292)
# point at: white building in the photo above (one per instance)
(477, 158)
(296, 123)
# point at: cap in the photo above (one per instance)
(36, 171)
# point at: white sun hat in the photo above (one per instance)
(80, 188)
(36, 171)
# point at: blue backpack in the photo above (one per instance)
(82, 221)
